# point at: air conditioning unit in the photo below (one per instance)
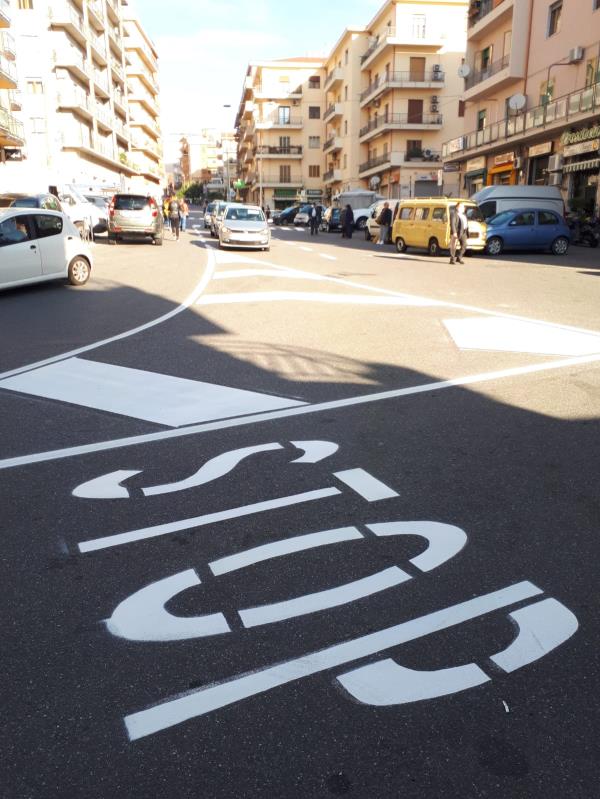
(575, 54)
(434, 107)
(437, 73)
(555, 163)
(427, 154)
(437, 67)
(435, 98)
(555, 179)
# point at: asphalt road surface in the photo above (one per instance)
(311, 522)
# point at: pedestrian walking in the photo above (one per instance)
(166, 212)
(174, 208)
(268, 213)
(184, 211)
(315, 219)
(348, 222)
(384, 221)
(458, 233)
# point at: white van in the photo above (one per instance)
(372, 228)
(493, 199)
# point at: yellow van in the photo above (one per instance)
(425, 224)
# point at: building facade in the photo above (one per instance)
(531, 98)
(280, 132)
(12, 137)
(74, 98)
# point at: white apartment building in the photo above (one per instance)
(74, 99)
(11, 129)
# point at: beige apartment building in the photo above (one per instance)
(532, 97)
(280, 132)
(11, 129)
(409, 95)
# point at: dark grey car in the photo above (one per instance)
(135, 216)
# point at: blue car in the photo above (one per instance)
(527, 229)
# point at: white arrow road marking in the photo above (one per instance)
(369, 487)
(107, 486)
(445, 540)
(324, 600)
(142, 616)
(315, 451)
(213, 697)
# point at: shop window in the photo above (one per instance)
(554, 15)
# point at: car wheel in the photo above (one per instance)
(433, 248)
(400, 244)
(494, 246)
(367, 234)
(158, 240)
(79, 271)
(112, 239)
(560, 245)
(361, 223)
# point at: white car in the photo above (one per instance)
(244, 226)
(38, 245)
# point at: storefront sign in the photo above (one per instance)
(540, 149)
(314, 192)
(451, 167)
(575, 136)
(475, 164)
(504, 158)
(582, 147)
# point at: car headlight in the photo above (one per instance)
(265, 232)
(225, 230)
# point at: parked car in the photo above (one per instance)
(82, 213)
(135, 216)
(304, 214)
(20, 200)
(362, 216)
(425, 224)
(287, 216)
(528, 229)
(244, 226)
(216, 216)
(331, 219)
(493, 199)
(102, 203)
(41, 244)
(372, 227)
(208, 214)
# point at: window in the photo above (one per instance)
(439, 214)
(314, 142)
(461, 108)
(521, 220)
(285, 174)
(314, 112)
(314, 82)
(26, 5)
(554, 15)
(345, 161)
(345, 127)
(547, 218)
(284, 79)
(314, 171)
(345, 93)
(418, 26)
(546, 92)
(592, 74)
(284, 114)
(38, 124)
(414, 148)
(129, 202)
(507, 42)
(486, 57)
(284, 142)
(34, 86)
(13, 231)
(346, 57)
(47, 225)
(481, 119)
(422, 213)
(406, 213)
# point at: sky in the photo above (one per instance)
(204, 48)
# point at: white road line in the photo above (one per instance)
(363, 399)
(190, 300)
(310, 296)
(369, 487)
(117, 539)
(213, 697)
(327, 257)
(323, 600)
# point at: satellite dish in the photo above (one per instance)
(517, 102)
(374, 182)
(464, 71)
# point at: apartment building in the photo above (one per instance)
(143, 104)
(280, 132)
(532, 97)
(409, 95)
(343, 80)
(11, 129)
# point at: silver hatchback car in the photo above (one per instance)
(136, 216)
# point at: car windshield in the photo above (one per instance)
(130, 202)
(210, 208)
(473, 212)
(500, 219)
(245, 214)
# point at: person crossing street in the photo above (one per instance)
(315, 219)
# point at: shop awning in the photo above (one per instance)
(581, 166)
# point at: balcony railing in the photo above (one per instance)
(74, 99)
(7, 44)
(395, 158)
(401, 119)
(333, 77)
(9, 124)
(400, 78)
(380, 160)
(389, 31)
(284, 179)
(4, 13)
(582, 101)
(8, 68)
(479, 9)
(279, 121)
(268, 150)
(479, 75)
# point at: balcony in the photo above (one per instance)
(137, 43)
(63, 16)
(101, 85)
(7, 45)
(249, 107)
(11, 130)
(120, 129)
(277, 121)
(432, 79)
(483, 15)
(139, 94)
(4, 13)
(104, 118)
(278, 152)
(574, 107)
(493, 76)
(72, 59)
(112, 6)
(332, 176)
(333, 79)
(119, 102)
(8, 74)
(333, 145)
(400, 122)
(278, 93)
(395, 158)
(98, 49)
(334, 111)
(95, 14)
(77, 102)
(411, 35)
(15, 99)
(271, 181)
(117, 70)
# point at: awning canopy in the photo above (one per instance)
(581, 166)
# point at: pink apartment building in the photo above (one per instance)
(531, 102)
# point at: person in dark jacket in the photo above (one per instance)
(458, 233)
(385, 222)
(347, 222)
(314, 219)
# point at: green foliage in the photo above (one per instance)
(193, 191)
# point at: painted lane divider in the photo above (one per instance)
(361, 683)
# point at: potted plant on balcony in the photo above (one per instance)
(416, 154)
